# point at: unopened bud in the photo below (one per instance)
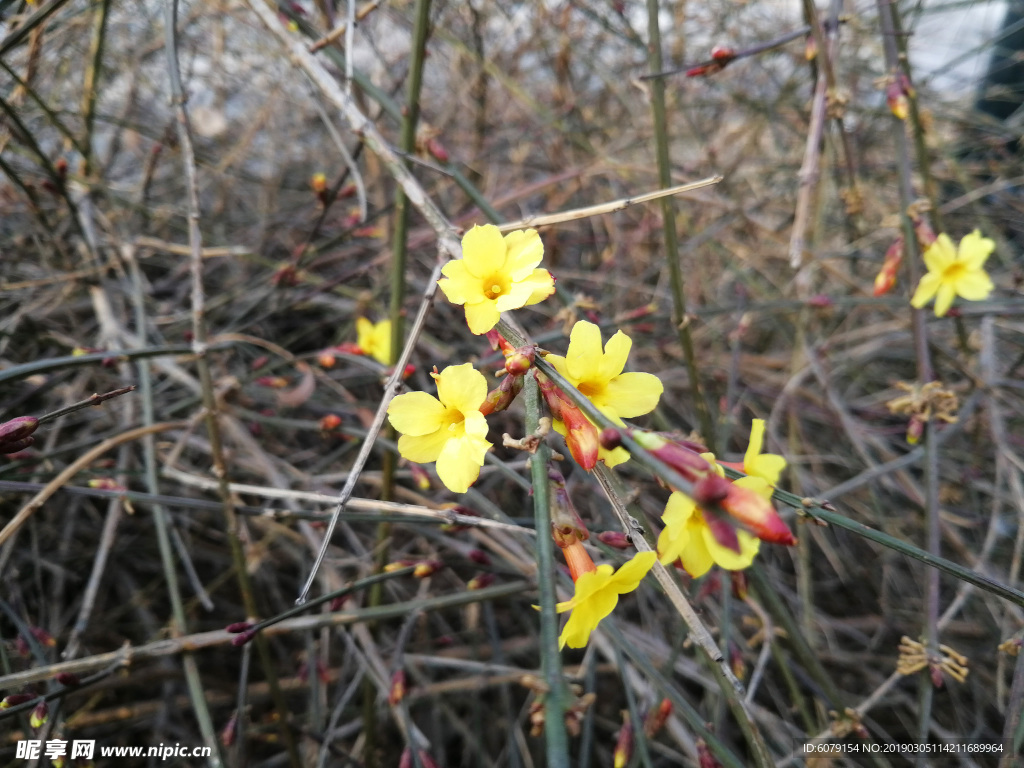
(520, 360)
(615, 539)
(241, 639)
(326, 359)
(17, 429)
(886, 277)
(479, 557)
(67, 679)
(501, 397)
(39, 716)
(15, 699)
(704, 757)
(757, 515)
(337, 603)
(657, 718)
(238, 626)
(915, 430)
(420, 475)
(736, 662)
(610, 438)
(230, 730)
(580, 436)
(624, 744)
(684, 460)
(437, 150)
(397, 691)
(17, 446)
(739, 584)
(427, 568)
(480, 581)
(330, 422)
(820, 301)
(318, 183)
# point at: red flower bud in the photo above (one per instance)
(704, 757)
(616, 539)
(757, 515)
(15, 699)
(68, 679)
(820, 301)
(243, 638)
(397, 690)
(580, 436)
(39, 716)
(427, 568)
(330, 422)
(230, 730)
(739, 584)
(17, 429)
(480, 581)
(238, 626)
(17, 446)
(683, 459)
(520, 360)
(886, 277)
(479, 557)
(624, 744)
(610, 438)
(657, 718)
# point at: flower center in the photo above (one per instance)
(590, 388)
(494, 287)
(455, 421)
(953, 272)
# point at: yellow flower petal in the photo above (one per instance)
(944, 299)
(524, 251)
(629, 576)
(939, 254)
(765, 466)
(543, 286)
(475, 425)
(482, 317)
(416, 413)
(675, 535)
(727, 558)
(462, 387)
(534, 287)
(583, 360)
(459, 462)
(631, 394)
(364, 333)
(975, 250)
(926, 290)
(974, 286)
(483, 250)
(423, 449)
(459, 286)
(616, 351)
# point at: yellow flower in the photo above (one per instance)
(496, 274)
(450, 430)
(374, 339)
(952, 273)
(597, 594)
(765, 467)
(689, 534)
(597, 374)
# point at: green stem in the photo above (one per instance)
(555, 698)
(668, 215)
